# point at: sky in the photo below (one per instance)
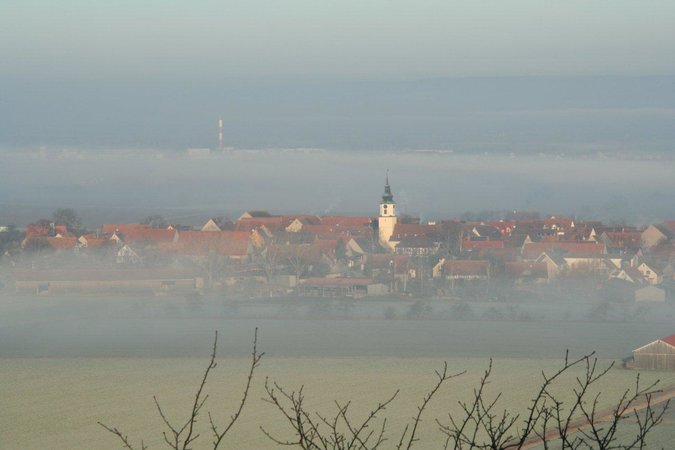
(467, 75)
(277, 40)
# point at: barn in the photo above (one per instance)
(659, 354)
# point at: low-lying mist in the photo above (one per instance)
(125, 186)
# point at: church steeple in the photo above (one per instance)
(387, 197)
(387, 220)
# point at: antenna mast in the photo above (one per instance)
(220, 134)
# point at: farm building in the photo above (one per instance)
(115, 280)
(659, 354)
(650, 294)
(342, 287)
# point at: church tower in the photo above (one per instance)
(387, 220)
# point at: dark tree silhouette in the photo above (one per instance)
(67, 217)
(155, 221)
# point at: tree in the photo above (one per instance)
(575, 424)
(36, 245)
(155, 221)
(67, 217)
(550, 419)
(181, 437)
(10, 239)
(340, 250)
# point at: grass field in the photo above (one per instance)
(55, 403)
(66, 363)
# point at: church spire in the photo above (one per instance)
(387, 197)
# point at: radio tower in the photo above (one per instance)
(220, 134)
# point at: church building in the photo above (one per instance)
(387, 220)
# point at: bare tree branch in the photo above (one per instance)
(182, 438)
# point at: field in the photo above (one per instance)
(55, 403)
(67, 363)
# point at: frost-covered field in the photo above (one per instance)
(66, 363)
(55, 403)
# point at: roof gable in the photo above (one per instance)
(670, 340)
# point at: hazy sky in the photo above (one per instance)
(346, 39)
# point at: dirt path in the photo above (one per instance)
(606, 415)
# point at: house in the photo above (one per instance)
(342, 287)
(559, 224)
(651, 275)
(347, 221)
(417, 239)
(505, 227)
(134, 233)
(234, 245)
(298, 223)
(128, 256)
(629, 275)
(117, 280)
(218, 224)
(555, 263)
(91, 241)
(659, 354)
(532, 250)
(591, 264)
(462, 269)
(254, 214)
(656, 234)
(650, 294)
(416, 246)
(390, 269)
(43, 229)
(53, 242)
(108, 229)
(472, 245)
(624, 241)
(486, 232)
(523, 272)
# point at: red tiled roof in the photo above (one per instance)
(505, 254)
(327, 244)
(333, 232)
(251, 223)
(533, 249)
(346, 221)
(308, 252)
(416, 242)
(516, 269)
(465, 267)
(669, 224)
(95, 243)
(468, 244)
(35, 230)
(625, 239)
(383, 261)
(62, 242)
(559, 221)
(111, 228)
(225, 243)
(305, 218)
(402, 230)
(147, 235)
(504, 226)
(670, 340)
